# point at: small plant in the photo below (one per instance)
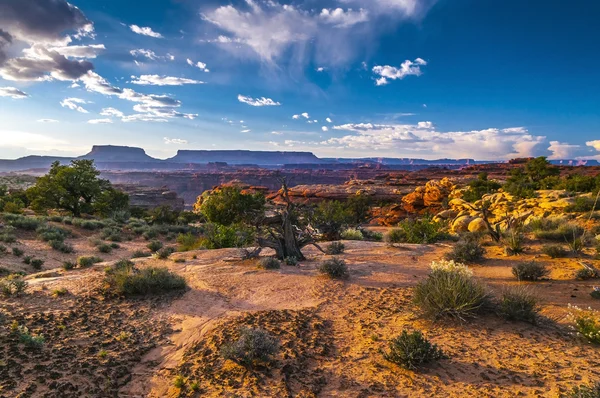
(450, 291)
(554, 251)
(576, 245)
(334, 268)
(179, 382)
(3, 249)
(585, 391)
(595, 293)
(61, 246)
(269, 263)
(30, 340)
(105, 248)
(372, 235)
(68, 265)
(395, 236)
(335, 248)
(115, 246)
(585, 274)
(17, 252)
(254, 346)
(88, 261)
(164, 253)
(513, 242)
(155, 246)
(124, 279)
(518, 304)
(8, 237)
(352, 234)
(195, 386)
(467, 250)
(27, 260)
(586, 323)
(60, 292)
(102, 354)
(530, 271)
(292, 261)
(123, 336)
(13, 285)
(412, 351)
(37, 263)
(188, 242)
(140, 254)
(179, 260)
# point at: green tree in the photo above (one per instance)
(539, 168)
(230, 205)
(75, 188)
(479, 187)
(330, 217)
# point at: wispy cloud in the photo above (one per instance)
(175, 141)
(100, 121)
(156, 80)
(151, 55)
(13, 93)
(257, 101)
(72, 103)
(407, 68)
(199, 65)
(47, 121)
(145, 31)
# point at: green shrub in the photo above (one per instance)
(115, 245)
(564, 232)
(420, 231)
(412, 351)
(104, 248)
(13, 285)
(124, 279)
(334, 268)
(513, 242)
(47, 234)
(29, 339)
(37, 263)
(155, 246)
(372, 235)
(586, 273)
(221, 237)
(292, 261)
(68, 265)
(450, 291)
(188, 242)
(479, 187)
(150, 233)
(164, 253)
(585, 391)
(61, 246)
(254, 346)
(140, 254)
(27, 260)
(269, 263)
(586, 323)
(60, 292)
(530, 271)
(467, 250)
(88, 261)
(3, 249)
(519, 304)
(17, 251)
(554, 251)
(8, 237)
(582, 205)
(24, 222)
(112, 234)
(335, 248)
(352, 234)
(396, 235)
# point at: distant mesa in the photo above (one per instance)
(113, 153)
(238, 157)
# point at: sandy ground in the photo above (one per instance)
(333, 332)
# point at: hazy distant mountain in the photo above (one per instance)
(244, 157)
(113, 153)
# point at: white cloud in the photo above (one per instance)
(246, 131)
(199, 65)
(561, 150)
(111, 112)
(425, 125)
(329, 120)
(100, 121)
(305, 115)
(594, 144)
(407, 68)
(89, 51)
(30, 141)
(12, 92)
(74, 85)
(156, 80)
(341, 19)
(71, 103)
(276, 133)
(296, 117)
(47, 121)
(320, 69)
(140, 52)
(325, 128)
(257, 101)
(145, 31)
(175, 141)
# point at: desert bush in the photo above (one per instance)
(513, 242)
(422, 231)
(230, 205)
(105, 248)
(3, 249)
(554, 251)
(253, 347)
(29, 339)
(155, 246)
(150, 233)
(112, 234)
(372, 235)
(564, 232)
(585, 391)
(269, 263)
(577, 245)
(140, 254)
(60, 292)
(61, 246)
(124, 279)
(48, 233)
(518, 304)
(582, 205)
(586, 323)
(164, 253)
(352, 234)
(545, 224)
(467, 250)
(7, 237)
(412, 351)
(27, 260)
(68, 265)
(480, 187)
(188, 242)
(334, 268)
(88, 261)
(292, 261)
(23, 222)
(17, 251)
(220, 237)
(4, 272)
(37, 263)
(396, 235)
(13, 285)
(530, 271)
(450, 291)
(586, 273)
(335, 248)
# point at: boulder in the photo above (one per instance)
(477, 225)
(461, 224)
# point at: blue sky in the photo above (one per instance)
(341, 78)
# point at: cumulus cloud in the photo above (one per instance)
(407, 68)
(340, 18)
(100, 121)
(111, 112)
(47, 121)
(305, 115)
(257, 101)
(72, 103)
(175, 141)
(89, 51)
(594, 144)
(145, 31)
(329, 120)
(325, 128)
(562, 150)
(12, 92)
(199, 65)
(140, 52)
(156, 80)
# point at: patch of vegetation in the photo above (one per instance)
(30, 340)
(352, 234)
(467, 250)
(583, 205)
(479, 187)
(513, 242)
(586, 323)
(23, 222)
(334, 268)
(585, 391)
(335, 248)
(530, 271)
(253, 347)
(27, 260)
(220, 236)
(61, 246)
(291, 261)
(330, 218)
(519, 304)
(68, 265)
(555, 251)
(269, 263)
(419, 231)
(13, 285)
(230, 206)
(188, 242)
(17, 252)
(60, 292)
(412, 351)
(112, 234)
(140, 254)
(586, 274)
(563, 232)
(37, 263)
(105, 248)
(88, 261)
(537, 173)
(164, 253)
(124, 279)
(450, 291)
(155, 246)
